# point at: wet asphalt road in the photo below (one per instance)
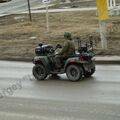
(22, 97)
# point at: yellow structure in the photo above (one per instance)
(102, 9)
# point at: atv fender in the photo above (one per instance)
(45, 62)
(74, 60)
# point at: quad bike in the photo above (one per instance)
(75, 67)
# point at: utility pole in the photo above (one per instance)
(47, 18)
(103, 16)
(30, 16)
(103, 34)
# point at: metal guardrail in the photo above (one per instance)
(115, 11)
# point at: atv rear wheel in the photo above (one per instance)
(89, 73)
(39, 72)
(74, 72)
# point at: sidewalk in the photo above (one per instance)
(107, 59)
(60, 10)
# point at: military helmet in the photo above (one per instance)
(67, 35)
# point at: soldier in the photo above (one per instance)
(67, 50)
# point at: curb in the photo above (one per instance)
(107, 59)
(98, 60)
(107, 62)
(17, 59)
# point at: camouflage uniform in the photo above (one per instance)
(67, 50)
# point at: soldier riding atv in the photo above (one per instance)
(75, 63)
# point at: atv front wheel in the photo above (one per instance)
(39, 72)
(74, 72)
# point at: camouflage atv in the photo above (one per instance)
(75, 67)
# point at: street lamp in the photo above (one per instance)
(47, 15)
(30, 16)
